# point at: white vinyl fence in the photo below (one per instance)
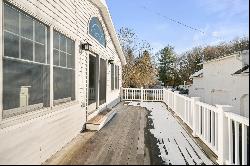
(223, 131)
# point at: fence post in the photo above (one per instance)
(175, 101)
(141, 94)
(223, 133)
(121, 94)
(194, 114)
(164, 95)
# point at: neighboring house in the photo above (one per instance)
(224, 81)
(51, 82)
(197, 88)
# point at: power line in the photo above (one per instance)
(180, 23)
(174, 20)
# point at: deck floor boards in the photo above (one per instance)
(123, 141)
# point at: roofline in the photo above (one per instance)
(221, 58)
(102, 6)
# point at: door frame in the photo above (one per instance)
(94, 106)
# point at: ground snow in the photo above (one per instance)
(176, 146)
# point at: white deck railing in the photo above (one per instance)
(224, 132)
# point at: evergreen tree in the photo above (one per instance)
(167, 66)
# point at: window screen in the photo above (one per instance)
(64, 69)
(25, 65)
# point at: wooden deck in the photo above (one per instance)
(125, 140)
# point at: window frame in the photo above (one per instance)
(104, 45)
(48, 62)
(73, 53)
(20, 13)
(115, 79)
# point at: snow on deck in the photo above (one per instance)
(175, 144)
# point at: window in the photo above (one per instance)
(25, 65)
(96, 30)
(112, 77)
(116, 77)
(64, 69)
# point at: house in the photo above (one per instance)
(224, 81)
(197, 88)
(61, 64)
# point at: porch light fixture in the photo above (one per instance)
(85, 46)
(111, 61)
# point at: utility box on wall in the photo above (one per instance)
(24, 96)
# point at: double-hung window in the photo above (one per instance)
(25, 63)
(64, 68)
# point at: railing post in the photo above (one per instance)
(223, 133)
(175, 101)
(141, 94)
(164, 95)
(121, 94)
(194, 113)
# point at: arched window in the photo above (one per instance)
(96, 30)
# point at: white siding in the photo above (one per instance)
(35, 140)
(222, 87)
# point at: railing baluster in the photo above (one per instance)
(199, 126)
(204, 122)
(216, 131)
(230, 141)
(188, 111)
(185, 110)
(208, 125)
(237, 159)
(244, 144)
(212, 128)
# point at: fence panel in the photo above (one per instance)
(207, 128)
(237, 135)
(225, 133)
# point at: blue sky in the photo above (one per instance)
(221, 20)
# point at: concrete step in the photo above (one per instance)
(99, 121)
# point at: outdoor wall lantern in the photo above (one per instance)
(111, 61)
(85, 46)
